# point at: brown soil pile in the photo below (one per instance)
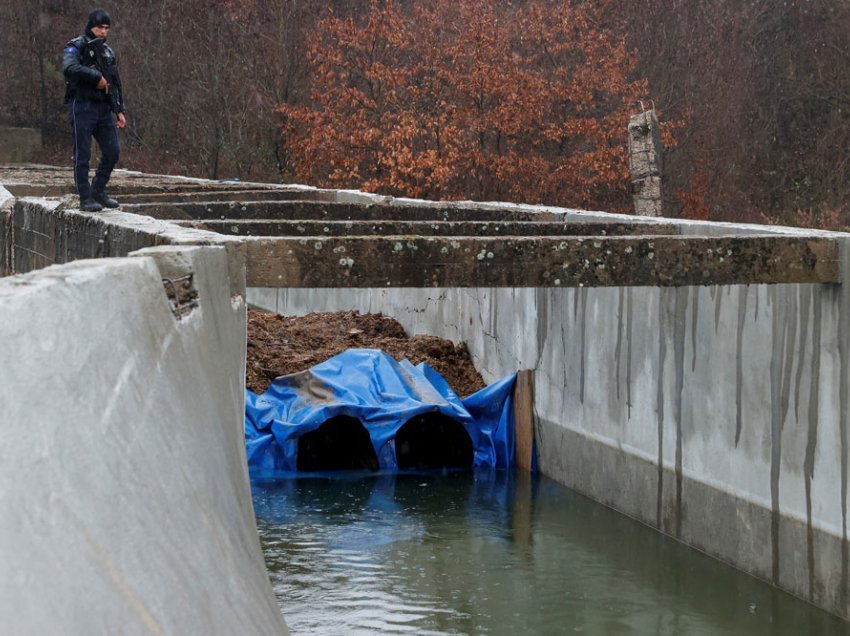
(280, 345)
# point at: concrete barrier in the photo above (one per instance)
(126, 504)
(48, 231)
(717, 415)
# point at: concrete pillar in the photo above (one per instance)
(645, 162)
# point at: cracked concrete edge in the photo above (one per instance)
(260, 184)
(174, 261)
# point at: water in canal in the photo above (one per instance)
(464, 553)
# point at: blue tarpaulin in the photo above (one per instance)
(367, 384)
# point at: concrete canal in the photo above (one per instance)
(491, 554)
(693, 376)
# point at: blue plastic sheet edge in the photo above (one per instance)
(383, 394)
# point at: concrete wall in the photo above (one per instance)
(715, 414)
(125, 498)
(43, 232)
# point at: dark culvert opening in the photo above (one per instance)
(341, 443)
(433, 440)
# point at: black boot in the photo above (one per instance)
(104, 199)
(90, 205)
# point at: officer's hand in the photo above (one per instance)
(103, 85)
(122, 121)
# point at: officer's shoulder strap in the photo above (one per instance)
(78, 43)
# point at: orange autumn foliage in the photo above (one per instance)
(695, 200)
(459, 99)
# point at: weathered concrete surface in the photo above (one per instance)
(46, 232)
(126, 505)
(239, 227)
(32, 180)
(221, 194)
(335, 211)
(646, 163)
(19, 144)
(717, 414)
(538, 262)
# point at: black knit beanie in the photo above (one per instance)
(96, 18)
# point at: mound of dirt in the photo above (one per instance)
(280, 345)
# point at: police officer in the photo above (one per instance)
(95, 104)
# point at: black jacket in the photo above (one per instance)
(82, 76)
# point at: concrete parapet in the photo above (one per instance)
(38, 237)
(335, 211)
(126, 501)
(261, 227)
(267, 194)
(566, 261)
(46, 232)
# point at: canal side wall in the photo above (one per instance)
(717, 415)
(39, 232)
(127, 506)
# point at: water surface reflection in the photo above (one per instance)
(494, 553)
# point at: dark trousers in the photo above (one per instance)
(93, 119)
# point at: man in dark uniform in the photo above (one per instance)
(95, 105)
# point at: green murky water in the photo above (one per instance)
(496, 554)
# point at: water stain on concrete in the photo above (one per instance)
(781, 368)
(844, 355)
(621, 301)
(582, 301)
(778, 334)
(659, 405)
(739, 360)
(629, 308)
(718, 304)
(812, 435)
(694, 324)
(679, 334)
(804, 303)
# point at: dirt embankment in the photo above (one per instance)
(280, 345)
